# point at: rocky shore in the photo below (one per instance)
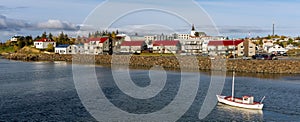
(172, 62)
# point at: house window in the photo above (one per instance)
(251, 47)
(242, 47)
(242, 52)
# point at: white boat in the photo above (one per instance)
(244, 102)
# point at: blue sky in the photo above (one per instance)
(232, 17)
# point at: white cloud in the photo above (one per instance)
(56, 25)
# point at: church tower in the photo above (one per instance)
(193, 31)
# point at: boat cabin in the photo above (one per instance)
(248, 99)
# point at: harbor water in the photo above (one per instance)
(45, 91)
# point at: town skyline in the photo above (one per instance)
(32, 17)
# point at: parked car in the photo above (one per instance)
(265, 57)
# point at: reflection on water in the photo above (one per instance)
(259, 75)
(237, 74)
(240, 113)
(45, 91)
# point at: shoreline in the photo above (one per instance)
(172, 62)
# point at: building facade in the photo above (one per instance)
(43, 43)
(166, 46)
(132, 46)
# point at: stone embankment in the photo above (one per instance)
(171, 62)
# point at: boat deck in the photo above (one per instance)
(239, 100)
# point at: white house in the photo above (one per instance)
(61, 49)
(225, 47)
(15, 38)
(150, 38)
(69, 49)
(75, 49)
(290, 47)
(132, 46)
(267, 44)
(277, 49)
(166, 46)
(192, 46)
(43, 43)
(96, 45)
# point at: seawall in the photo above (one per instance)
(172, 62)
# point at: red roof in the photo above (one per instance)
(225, 43)
(132, 43)
(44, 40)
(165, 43)
(101, 39)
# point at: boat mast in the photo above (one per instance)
(233, 73)
(232, 92)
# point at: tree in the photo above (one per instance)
(44, 35)
(290, 41)
(113, 35)
(50, 36)
(50, 48)
(90, 35)
(197, 34)
(21, 43)
(37, 38)
(28, 41)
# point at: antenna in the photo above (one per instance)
(273, 29)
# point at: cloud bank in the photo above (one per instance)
(10, 27)
(57, 25)
(12, 24)
(9, 24)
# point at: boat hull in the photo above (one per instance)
(256, 106)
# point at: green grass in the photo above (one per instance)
(9, 49)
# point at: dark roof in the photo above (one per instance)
(63, 46)
(225, 43)
(165, 43)
(132, 43)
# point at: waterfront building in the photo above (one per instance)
(166, 46)
(133, 46)
(224, 47)
(277, 49)
(246, 48)
(61, 49)
(267, 43)
(69, 49)
(96, 45)
(75, 49)
(15, 38)
(43, 43)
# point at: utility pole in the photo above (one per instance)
(110, 52)
(273, 29)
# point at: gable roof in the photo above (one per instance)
(132, 43)
(225, 43)
(101, 39)
(165, 43)
(44, 40)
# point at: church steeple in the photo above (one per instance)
(193, 27)
(193, 31)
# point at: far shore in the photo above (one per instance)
(172, 62)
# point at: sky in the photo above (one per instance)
(233, 18)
